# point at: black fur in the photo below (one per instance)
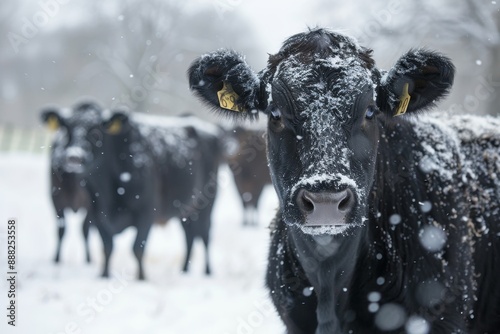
(421, 240)
(429, 75)
(208, 73)
(141, 171)
(67, 185)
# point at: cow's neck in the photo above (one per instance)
(335, 265)
(330, 263)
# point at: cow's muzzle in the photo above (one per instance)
(325, 208)
(75, 159)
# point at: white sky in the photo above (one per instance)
(275, 21)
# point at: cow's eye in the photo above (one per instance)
(370, 112)
(275, 123)
(275, 114)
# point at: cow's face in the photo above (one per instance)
(78, 137)
(325, 101)
(321, 113)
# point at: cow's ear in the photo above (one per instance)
(224, 81)
(52, 118)
(118, 123)
(415, 83)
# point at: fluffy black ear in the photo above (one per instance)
(418, 80)
(226, 83)
(52, 118)
(118, 123)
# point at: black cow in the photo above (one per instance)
(67, 161)
(145, 170)
(246, 157)
(385, 223)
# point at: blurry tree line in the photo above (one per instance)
(467, 31)
(127, 53)
(135, 53)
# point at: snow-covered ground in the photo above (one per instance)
(71, 298)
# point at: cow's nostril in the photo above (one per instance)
(325, 208)
(347, 202)
(305, 201)
(76, 160)
(344, 204)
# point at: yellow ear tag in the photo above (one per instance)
(228, 97)
(115, 127)
(404, 100)
(53, 123)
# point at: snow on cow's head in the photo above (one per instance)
(78, 135)
(324, 99)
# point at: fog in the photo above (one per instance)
(134, 54)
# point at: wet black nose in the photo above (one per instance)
(325, 208)
(73, 159)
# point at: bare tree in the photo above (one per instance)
(123, 53)
(468, 31)
(147, 47)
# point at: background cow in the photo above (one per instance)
(385, 222)
(67, 162)
(145, 170)
(246, 157)
(175, 163)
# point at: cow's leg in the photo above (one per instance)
(86, 228)
(255, 205)
(139, 245)
(61, 228)
(206, 240)
(249, 215)
(246, 220)
(107, 242)
(189, 233)
(203, 230)
(255, 215)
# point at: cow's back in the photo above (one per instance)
(480, 142)
(186, 155)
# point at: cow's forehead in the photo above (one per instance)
(335, 70)
(320, 63)
(85, 119)
(332, 83)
